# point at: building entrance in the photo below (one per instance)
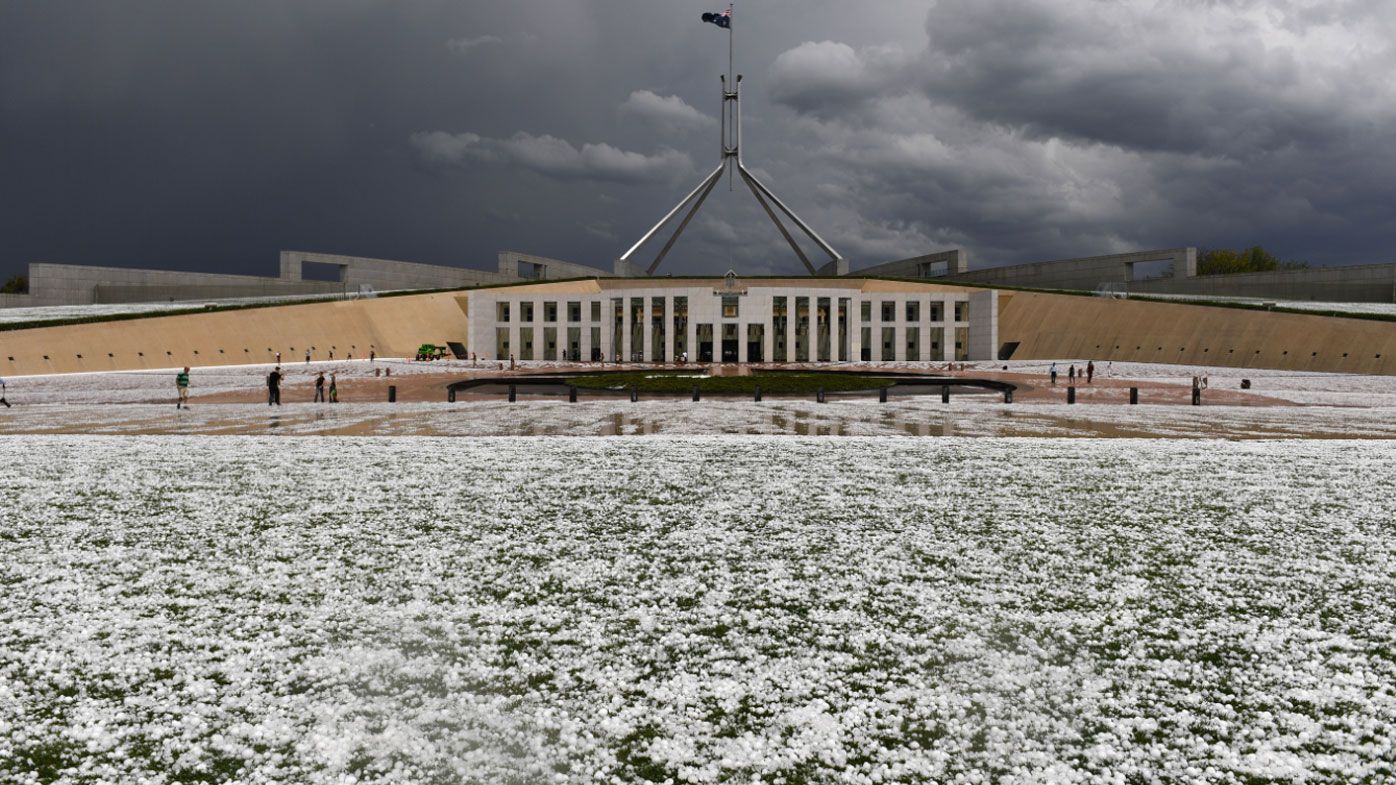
(705, 343)
(755, 343)
(729, 343)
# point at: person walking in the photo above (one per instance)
(182, 385)
(307, 357)
(320, 388)
(2, 394)
(1071, 375)
(278, 358)
(334, 390)
(1054, 374)
(274, 386)
(1090, 371)
(372, 355)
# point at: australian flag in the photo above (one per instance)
(723, 20)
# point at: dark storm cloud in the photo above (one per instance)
(1037, 128)
(211, 135)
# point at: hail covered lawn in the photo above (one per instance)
(701, 609)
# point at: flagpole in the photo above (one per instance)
(732, 78)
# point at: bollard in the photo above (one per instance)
(392, 393)
(450, 395)
(945, 393)
(695, 392)
(1196, 396)
(513, 394)
(882, 395)
(1133, 396)
(571, 393)
(819, 396)
(634, 394)
(1071, 394)
(758, 393)
(1008, 396)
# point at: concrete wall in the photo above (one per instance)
(984, 325)
(68, 284)
(1370, 283)
(1086, 274)
(931, 265)
(545, 269)
(1058, 327)
(392, 326)
(385, 274)
(1356, 283)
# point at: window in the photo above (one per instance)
(574, 311)
(937, 311)
(889, 311)
(550, 343)
(913, 311)
(730, 305)
(501, 343)
(865, 310)
(680, 327)
(501, 312)
(657, 335)
(525, 312)
(549, 312)
(596, 310)
(962, 311)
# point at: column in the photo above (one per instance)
(607, 329)
(669, 328)
(925, 330)
(792, 316)
(875, 333)
(646, 334)
(625, 328)
(947, 344)
(855, 328)
(768, 333)
(899, 335)
(585, 324)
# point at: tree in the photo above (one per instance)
(18, 284)
(1225, 261)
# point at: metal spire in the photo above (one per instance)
(731, 161)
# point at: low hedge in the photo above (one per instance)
(680, 383)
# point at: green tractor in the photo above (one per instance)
(428, 351)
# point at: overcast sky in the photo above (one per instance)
(210, 135)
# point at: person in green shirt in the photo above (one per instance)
(182, 383)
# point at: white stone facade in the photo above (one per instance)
(771, 323)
